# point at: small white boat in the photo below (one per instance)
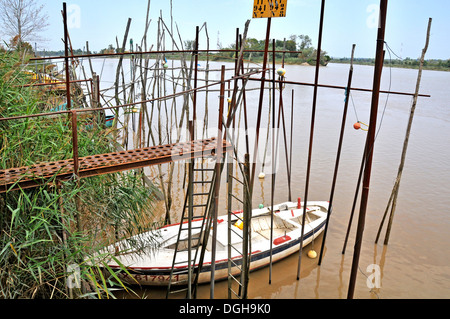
(153, 267)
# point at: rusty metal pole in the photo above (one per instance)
(76, 165)
(338, 156)
(247, 210)
(190, 210)
(261, 97)
(355, 199)
(311, 137)
(76, 161)
(66, 57)
(370, 146)
(272, 191)
(194, 102)
(218, 166)
(244, 103)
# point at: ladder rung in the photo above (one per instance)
(182, 262)
(186, 218)
(182, 272)
(235, 293)
(204, 169)
(236, 250)
(237, 180)
(178, 290)
(202, 182)
(236, 215)
(199, 205)
(235, 279)
(200, 194)
(235, 265)
(187, 239)
(179, 272)
(237, 234)
(238, 199)
(197, 227)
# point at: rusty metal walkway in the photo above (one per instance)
(35, 175)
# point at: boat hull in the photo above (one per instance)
(161, 276)
(259, 258)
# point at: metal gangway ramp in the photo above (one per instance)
(94, 165)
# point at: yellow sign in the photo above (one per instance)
(269, 8)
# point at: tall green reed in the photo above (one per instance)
(39, 235)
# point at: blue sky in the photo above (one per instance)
(346, 22)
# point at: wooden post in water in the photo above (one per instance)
(394, 193)
(369, 148)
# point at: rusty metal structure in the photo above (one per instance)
(218, 147)
(40, 174)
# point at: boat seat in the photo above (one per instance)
(282, 224)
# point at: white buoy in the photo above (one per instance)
(261, 175)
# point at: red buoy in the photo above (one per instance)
(299, 203)
(357, 126)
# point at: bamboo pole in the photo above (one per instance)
(394, 193)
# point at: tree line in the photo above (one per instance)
(299, 48)
(430, 64)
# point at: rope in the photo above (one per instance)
(390, 51)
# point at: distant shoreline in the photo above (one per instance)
(430, 65)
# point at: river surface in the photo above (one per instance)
(416, 262)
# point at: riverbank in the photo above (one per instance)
(430, 65)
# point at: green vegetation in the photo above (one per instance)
(300, 51)
(45, 230)
(432, 64)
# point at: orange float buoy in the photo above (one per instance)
(357, 126)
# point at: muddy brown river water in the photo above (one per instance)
(416, 263)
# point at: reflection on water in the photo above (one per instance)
(416, 264)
